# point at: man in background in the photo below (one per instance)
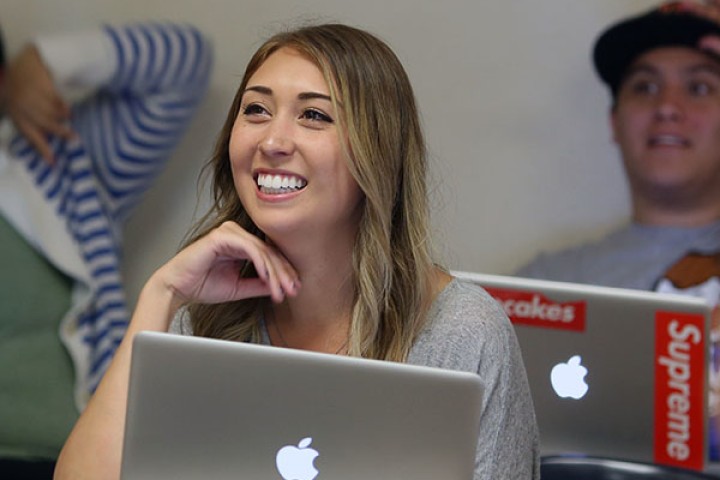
(662, 69)
(89, 119)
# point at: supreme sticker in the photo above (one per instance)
(534, 309)
(680, 428)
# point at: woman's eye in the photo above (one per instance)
(253, 109)
(316, 116)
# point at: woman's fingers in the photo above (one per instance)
(288, 281)
(209, 270)
(281, 276)
(267, 261)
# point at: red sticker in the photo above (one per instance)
(534, 309)
(680, 427)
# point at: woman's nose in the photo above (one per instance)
(278, 139)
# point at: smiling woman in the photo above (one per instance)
(286, 129)
(318, 240)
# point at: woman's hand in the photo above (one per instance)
(34, 103)
(208, 271)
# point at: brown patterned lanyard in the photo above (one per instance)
(693, 270)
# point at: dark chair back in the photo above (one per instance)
(595, 468)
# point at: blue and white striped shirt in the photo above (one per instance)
(126, 129)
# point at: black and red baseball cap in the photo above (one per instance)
(665, 26)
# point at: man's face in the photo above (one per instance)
(666, 122)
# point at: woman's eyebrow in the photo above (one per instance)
(259, 89)
(263, 90)
(314, 95)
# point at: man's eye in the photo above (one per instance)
(316, 116)
(700, 89)
(645, 87)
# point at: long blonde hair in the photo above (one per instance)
(392, 255)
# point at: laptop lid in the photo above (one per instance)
(613, 372)
(202, 408)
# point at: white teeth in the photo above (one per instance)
(279, 183)
(668, 140)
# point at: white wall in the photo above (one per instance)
(515, 119)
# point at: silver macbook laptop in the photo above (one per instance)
(613, 372)
(201, 408)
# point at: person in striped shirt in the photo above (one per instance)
(89, 119)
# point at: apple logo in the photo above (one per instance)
(568, 379)
(296, 463)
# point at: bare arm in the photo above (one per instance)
(207, 272)
(93, 449)
(34, 103)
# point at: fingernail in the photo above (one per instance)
(282, 296)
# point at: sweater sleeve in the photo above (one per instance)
(468, 331)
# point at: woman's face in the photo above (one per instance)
(286, 155)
